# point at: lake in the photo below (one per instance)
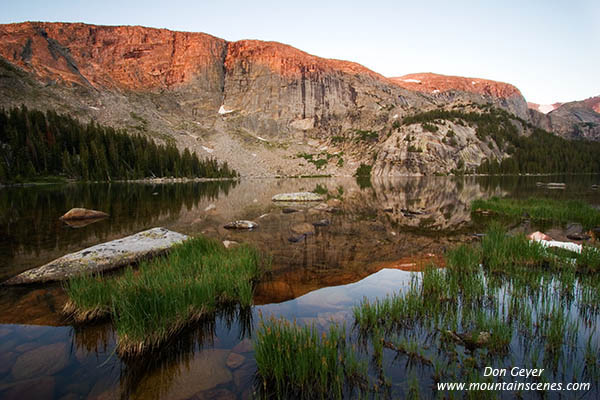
(379, 234)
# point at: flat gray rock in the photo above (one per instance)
(103, 257)
(298, 196)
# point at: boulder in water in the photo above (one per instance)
(82, 213)
(241, 224)
(103, 257)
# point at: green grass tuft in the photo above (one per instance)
(296, 361)
(155, 301)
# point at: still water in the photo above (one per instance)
(379, 234)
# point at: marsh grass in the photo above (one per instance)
(495, 300)
(299, 362)
(153, 302)
(542, 210)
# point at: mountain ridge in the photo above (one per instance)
(258, 105)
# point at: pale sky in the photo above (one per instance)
(549, 49)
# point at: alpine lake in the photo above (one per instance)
(376, 241)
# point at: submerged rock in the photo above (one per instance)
(296, 238)
(289, 210)
(234, 360)
(82, 213)
(103, 257)
(215, 394)
(37, 388)
(303, 229)
(471, 340)
(43, 361)
(7, 359)
(578, 236)
(245, 346)
(241, 224)
(298, 196)
(322, 222)
(575, 232)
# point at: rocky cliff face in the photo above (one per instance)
(573, 120)
(413, 150)
(449, 88)
(265, 107)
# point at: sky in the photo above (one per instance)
(549, 49)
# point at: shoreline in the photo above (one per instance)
(256, 177)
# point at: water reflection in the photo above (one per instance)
(31, 233)
(375, 236)
(198, 351)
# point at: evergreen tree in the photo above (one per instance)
(33, 143)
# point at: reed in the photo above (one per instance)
(299, 362)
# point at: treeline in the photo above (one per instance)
(544, 152)
(36, 144)
(540, 152)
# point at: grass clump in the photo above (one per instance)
(542, 209)
(501, 252)
(297, 362)
(150, 304)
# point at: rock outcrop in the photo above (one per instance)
(103, 257)
(413, 150)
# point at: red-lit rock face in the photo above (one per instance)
(139, 58)
(288, 61)
(129, 57)
(435, 83)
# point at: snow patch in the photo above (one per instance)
(473, 83)
(223, 110)
(411, 80)
(94, 108)
(395, 116)
(208, 150)
(253, 154)
(546, 108)
(262, 139)
(435, 91)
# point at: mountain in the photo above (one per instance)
(265, 107)
(572, 120)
